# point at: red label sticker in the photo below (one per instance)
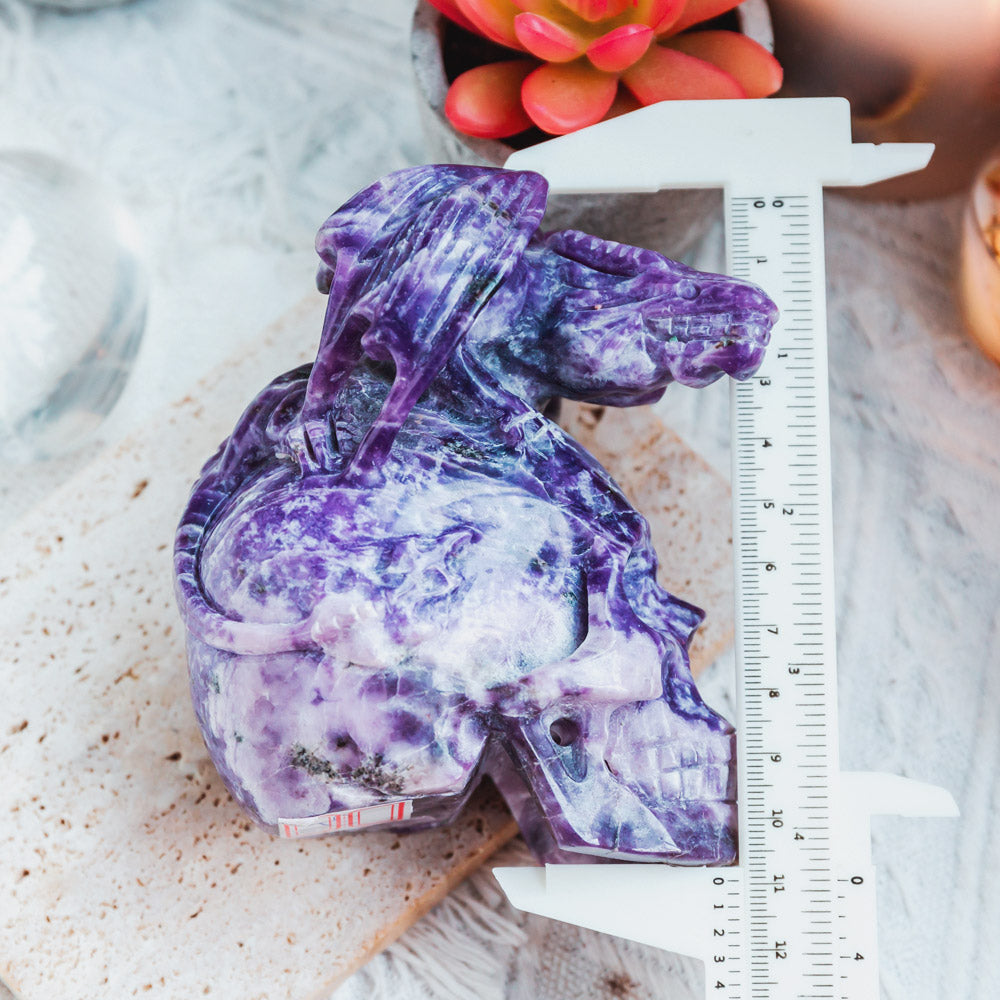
(347, 819)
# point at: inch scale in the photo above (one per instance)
(796, 919)
(788, 755)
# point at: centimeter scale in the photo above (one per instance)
(796, 919)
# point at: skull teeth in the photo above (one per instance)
(705, 783)
(696, 782)
(670, 785)
(666, 760)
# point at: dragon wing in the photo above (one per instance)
(407, 283)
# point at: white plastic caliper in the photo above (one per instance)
(796, 918)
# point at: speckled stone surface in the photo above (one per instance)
(126, 869)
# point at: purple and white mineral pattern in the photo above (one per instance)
(398, 576)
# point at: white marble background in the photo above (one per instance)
(231, 129)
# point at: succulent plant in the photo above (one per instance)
(577, 62)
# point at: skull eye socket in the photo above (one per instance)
(687, 289)
(564, 731)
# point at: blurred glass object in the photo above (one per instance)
(70, 5)
(913, 70)
(72, 305)
(979, 274)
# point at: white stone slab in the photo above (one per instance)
(127, 870)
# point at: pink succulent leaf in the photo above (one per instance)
(624, 102)
(658, 14)
(569, 96)
(664, 74)
(696, 11)
(758, 72)
(597, 10)
(485, 102)
(493, 19)
(548, 41)
(620, 48)
(450, 10)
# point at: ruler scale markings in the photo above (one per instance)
(778, 958)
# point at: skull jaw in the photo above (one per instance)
(573, 809)
(714, 844)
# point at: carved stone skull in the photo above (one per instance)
(398, 576)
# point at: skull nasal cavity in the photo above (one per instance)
(688, 289)
(564, 731)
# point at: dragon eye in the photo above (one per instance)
(687, 289)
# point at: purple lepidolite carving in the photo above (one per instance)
(397, 575)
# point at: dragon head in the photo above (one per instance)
(615, 324)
